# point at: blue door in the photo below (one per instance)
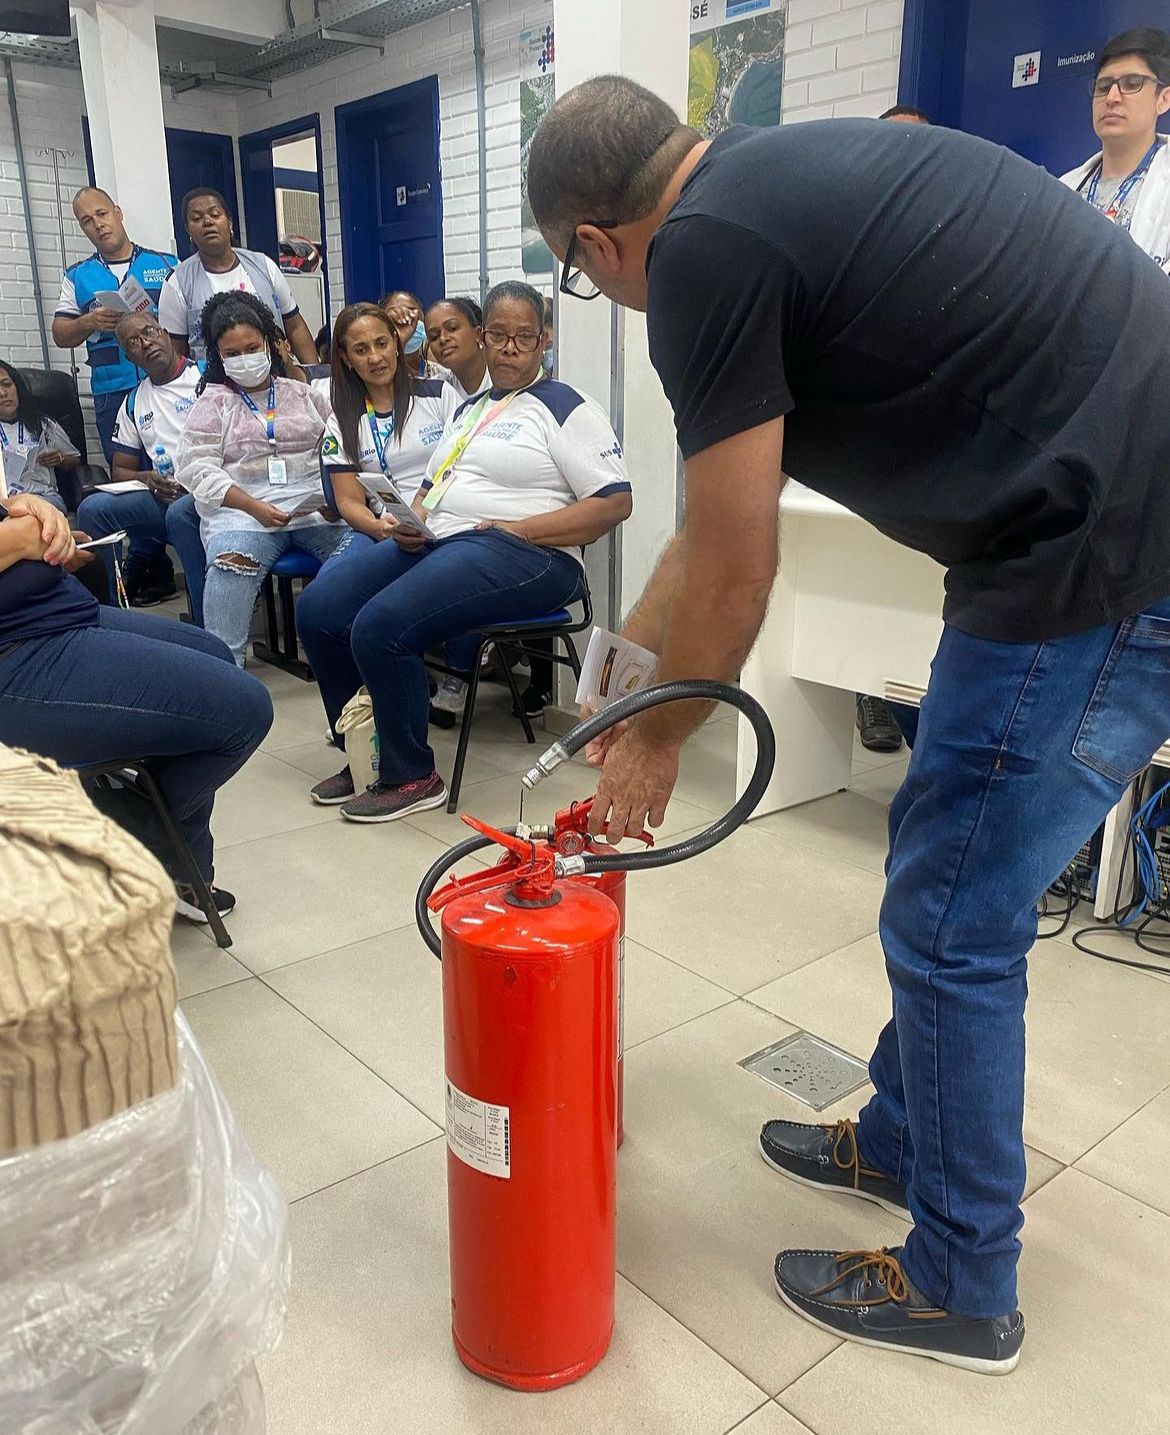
(194, 159)
(391, 193)
(1018, 74)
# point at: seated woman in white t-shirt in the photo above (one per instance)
(455, 339)
(218, 268)
(250, 457)
(385, 423)
(521, 480)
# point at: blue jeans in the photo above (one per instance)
(142, 515)
(229, 594)
(183, 535)
(105, 416)
(139, 686)
(370, 617)
(1021, 751)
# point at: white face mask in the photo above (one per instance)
(248, 370)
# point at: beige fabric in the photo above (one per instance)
(87, 985)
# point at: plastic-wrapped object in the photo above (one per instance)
(144, 1265)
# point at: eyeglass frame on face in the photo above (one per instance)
(490, 329)
(569, 275)
(1100, 93)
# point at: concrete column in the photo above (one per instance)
(123, 100)
(648, 40)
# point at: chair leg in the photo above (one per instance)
(186, 858)
(270, 612)
(571, 651)
(288, 620)
(517, 700)
(465, 727)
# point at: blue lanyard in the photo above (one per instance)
(378, 436)
(1117, 204)
(19, 435)
(269, 419)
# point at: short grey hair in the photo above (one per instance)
(605, 151)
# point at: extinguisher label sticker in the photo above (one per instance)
(621, 1021)
(479, 1133)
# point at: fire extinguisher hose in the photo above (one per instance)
(687, 690)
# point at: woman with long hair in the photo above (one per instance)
(455, 338)
(522, 479)
(385, 421)
(32, 444)
(250, 458)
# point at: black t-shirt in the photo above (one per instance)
(37, 600)
(968, 357)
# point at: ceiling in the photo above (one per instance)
(188, 59)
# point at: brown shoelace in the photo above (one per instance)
(879, 1268)
(846, 1156)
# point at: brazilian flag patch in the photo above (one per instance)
(330, 448)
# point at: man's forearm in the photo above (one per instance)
(646, 625)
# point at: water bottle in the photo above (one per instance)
(164, 464)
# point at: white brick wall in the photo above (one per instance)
(51, 103)
(841, 58)
(439, 47)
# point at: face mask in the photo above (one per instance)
(546, 362)
(416, 340)
(248, 370)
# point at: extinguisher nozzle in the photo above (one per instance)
(547, 762)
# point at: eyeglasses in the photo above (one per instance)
(526, 341)
(1131, 84)
(574, 281)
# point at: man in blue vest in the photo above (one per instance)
(81, 316)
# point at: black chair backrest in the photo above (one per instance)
(56, 393)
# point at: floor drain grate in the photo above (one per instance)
(812, 1070)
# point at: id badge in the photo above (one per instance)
(277, 472)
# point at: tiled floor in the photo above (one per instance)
(323, 1025)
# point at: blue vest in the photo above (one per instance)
(110, 370)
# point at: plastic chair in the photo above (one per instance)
(510, 639)
(135, 773)
(282, 649)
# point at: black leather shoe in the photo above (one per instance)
(875, 722)
(826, 1157)
(867, 1297)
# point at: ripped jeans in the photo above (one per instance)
(238, 562)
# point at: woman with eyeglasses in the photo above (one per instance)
(523, 478)
(1129, 180)
(455, 338)
(250, 457)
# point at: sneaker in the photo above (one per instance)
(447, 703)
(877, 726)
(187, 904)
(534, 702)
(867, 1297)
(335, 789)
(383, 802)
(827, 1158)
(153, 592)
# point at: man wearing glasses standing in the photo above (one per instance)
(930, 330)
(1129, 181)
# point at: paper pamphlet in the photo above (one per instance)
(393, 504)
(124, 485)
(105, 542)
(128, 298)
(613, 668)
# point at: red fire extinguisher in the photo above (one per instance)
(530, 953)
(570, 836)
(530, 1044)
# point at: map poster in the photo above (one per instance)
(537, 92)
(737, 63)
